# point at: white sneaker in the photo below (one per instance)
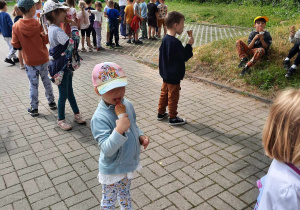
(79, 119)
(64, 125)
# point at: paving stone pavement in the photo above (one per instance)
(212, 162)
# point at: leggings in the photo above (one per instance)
(293, 52)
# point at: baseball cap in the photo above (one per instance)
(51, 5)
(261, 17)
(26, 4)
(107, 76)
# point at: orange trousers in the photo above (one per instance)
(244, 51)
(169, 96)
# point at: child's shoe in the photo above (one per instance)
(107, 44)
(52, 105)
(162, 116)
(9, 61)
(100, 49)
(64, 125)
(290, 72)
(91, 49)
(286, 64)
(79, 119)
(118, 46)
(154, 38)
(243, 62)
(16, 60)
(138, 42)
(33, 112)
(111, 46)
(95, 47)
(83, 49)
(245, 70)
(129, 41)
(177, 121)
(22, 67)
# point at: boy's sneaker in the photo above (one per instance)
(79, 119)
(142, 37)
(107, 44)
(52, 105)
(111, 46)
(83, 49)
(245, 70)
(64, 125)
(118, 46)
(91, 49)
(177, 121)
(129, 41)
(162, 116)
(33, 112)
(286, 64)
(243, 62)
(290, 72)
(154, 38)
(16, 60)
(138, 42)
(9, 61)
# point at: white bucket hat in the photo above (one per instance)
(51, 5)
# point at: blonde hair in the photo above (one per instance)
(281, 135)
(16, 11)
(111, 3)
(82, 6)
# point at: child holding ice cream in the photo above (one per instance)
(119, 139)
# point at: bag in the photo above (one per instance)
(57, 78)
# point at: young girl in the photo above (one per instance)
(66, 26)
(84, 24)
(98, 23)
(72, 10)
(280, 188)
(18, 14)
(65, 60)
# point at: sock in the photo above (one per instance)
(286, 59)
(294, 66)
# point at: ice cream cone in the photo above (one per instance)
(120, 110)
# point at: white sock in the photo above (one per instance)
(294, 66)
(286, 59)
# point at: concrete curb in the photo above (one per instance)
(264, 100)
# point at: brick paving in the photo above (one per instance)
(212, 162)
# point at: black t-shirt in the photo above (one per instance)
(152, 9)
(92, 16)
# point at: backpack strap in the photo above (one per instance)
(297, 170)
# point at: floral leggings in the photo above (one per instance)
(119, 190)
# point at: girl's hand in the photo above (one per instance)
(144, 141)
(123, 124)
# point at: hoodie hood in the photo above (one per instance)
(29, 27)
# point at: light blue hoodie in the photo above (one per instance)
(118, 154)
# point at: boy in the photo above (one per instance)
(92, 18)
(137, 19)
(6, 31)
(259, 42)
(28, 35)
(129, 14)
(107, 23)
(113, 17)
(163, 10)
(144, 21)
(172, 58)
(119, 139)
(152, 19)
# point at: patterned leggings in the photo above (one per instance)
(120, 190)
(244, 51)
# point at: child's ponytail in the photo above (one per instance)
(82, 6)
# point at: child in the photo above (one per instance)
(259, 42)
(72, 10)
(6, 31)
(135, 25)
(172, 58)
(279, 189)
(66, 26)
(119, 139)
(65, 60)
(152, 19)
(98, 23)
(107, 22)
(294, 38)
(92, 19)
(28, 35)
(129, 14)
(113, 17)
(84, 24)
(38, 7)
(18, 14)
(163, 10)
(144, 21)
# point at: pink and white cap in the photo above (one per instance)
(107, 76)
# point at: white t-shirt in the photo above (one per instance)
(98, 15)
(72, 12)
(37, 11)
(105, 11)
(79, 16)
(122, 3)
(282, 188)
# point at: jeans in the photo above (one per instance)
(66, 92)
(33, 73)
(12, 52)
(114, 31)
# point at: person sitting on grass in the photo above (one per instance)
(295, 39)
(259, 41)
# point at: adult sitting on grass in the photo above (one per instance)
(295, 39)
(259, 42)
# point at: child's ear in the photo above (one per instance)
(96, 90)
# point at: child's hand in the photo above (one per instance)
(191, 41)
(144, 141)
(72, 22)
(123, 124)
(89, 11)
